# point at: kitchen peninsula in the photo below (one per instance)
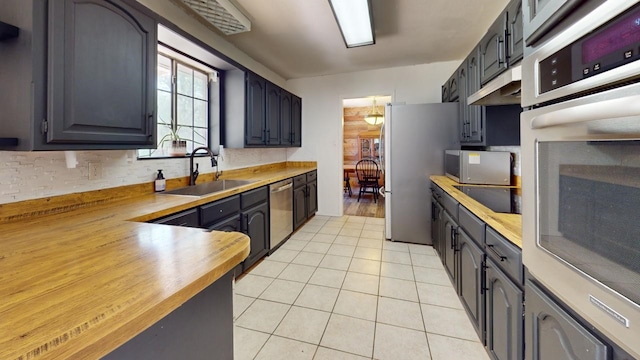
(81, 283)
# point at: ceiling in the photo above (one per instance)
(300, 38)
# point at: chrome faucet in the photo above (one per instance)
(193, 175)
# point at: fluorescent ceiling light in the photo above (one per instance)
(355, 20)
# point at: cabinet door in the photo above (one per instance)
(515, 45)
(296, 121)
(453, 87)
(463, 114)
(255, 223)
(230, 224)
(450, 228)
(492, 51)
(470, 275)
(445, 92)
(475, 113)
(255, 129)
(436, 220)
(273, 114)
(285, 118)
(551, 333)
(299, 206)
(312, 198)
(101, 74)
(503, 316)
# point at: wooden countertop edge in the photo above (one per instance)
(134, 326)
(507, 225)
(107, 335)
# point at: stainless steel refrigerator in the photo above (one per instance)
(414, 139)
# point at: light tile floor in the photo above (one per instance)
(337, 290)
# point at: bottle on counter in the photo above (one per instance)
(161, 183)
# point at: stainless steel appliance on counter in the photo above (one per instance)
(478, 167)
(281, 211)
(581, 173)
(414, 138)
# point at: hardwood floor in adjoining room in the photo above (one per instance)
(365, 207)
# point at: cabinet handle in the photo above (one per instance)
(500, 54)
(483, 278)
(245, 226)
(150, 124)
(268, 136)
(493, 249)
(264, 136)
(453, 238)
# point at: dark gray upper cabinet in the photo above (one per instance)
(551, 333)
(463, 114)
(470, 274)
(296, 121)
(473, 133)
(285, 118)
(504, 322)
(259, 113)
(255, 131)
(273, 115)
(445, 92)
(493, 58)
(515, 43)
(83, 75)
(453, 88)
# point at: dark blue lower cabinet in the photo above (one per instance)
(200, 329)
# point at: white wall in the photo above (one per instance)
(322, 115)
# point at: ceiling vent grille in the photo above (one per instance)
(222, 14)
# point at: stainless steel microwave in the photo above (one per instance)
(581, 170)
(478, 167)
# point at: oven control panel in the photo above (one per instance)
(610, 46)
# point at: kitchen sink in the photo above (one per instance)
(210, 187)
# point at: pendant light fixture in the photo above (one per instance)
(375, 117)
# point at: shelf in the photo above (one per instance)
(8, 31)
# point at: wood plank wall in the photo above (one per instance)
(353, 125)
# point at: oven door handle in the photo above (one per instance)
(585, 109)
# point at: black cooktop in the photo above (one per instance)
(500, 200)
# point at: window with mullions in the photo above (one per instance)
(183, 106)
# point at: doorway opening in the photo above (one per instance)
(362, 124)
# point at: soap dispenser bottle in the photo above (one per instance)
(161, 183)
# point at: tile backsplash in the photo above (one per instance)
(32, 175)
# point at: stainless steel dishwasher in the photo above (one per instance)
(281, 211)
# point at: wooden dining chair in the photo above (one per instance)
(368, 175)
(347, 183)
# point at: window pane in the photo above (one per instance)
(200, 111)
(164, 73)
(200, 81)
(185, 110)
(164, 138)
(164, 106)
(201, 137)
(185, 80)
(186, 133)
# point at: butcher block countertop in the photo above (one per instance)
(508, 225)
(78, 284)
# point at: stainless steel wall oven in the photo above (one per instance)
(581, 169)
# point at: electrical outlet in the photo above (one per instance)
(95, 170)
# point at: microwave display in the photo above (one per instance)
(589, 201)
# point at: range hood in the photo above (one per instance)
(503, 90)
